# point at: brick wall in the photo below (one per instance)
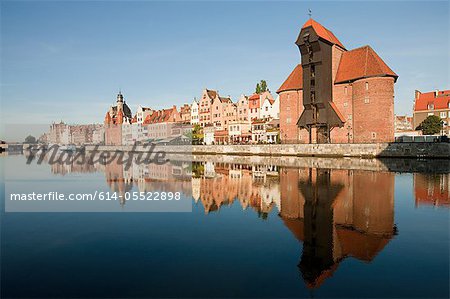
(291, 107)
(342, 97)
(373, 110)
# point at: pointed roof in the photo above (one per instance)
(294, 81)
(362, 63)
(211, 93)
(323, 32)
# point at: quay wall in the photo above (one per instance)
(372, 150)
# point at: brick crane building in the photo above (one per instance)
(336, 95)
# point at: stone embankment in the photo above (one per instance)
(373, 150)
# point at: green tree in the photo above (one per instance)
(30, 139)
(258, 88)
(196, 134)
(263, 86)
(431, 125)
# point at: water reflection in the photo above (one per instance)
(333, 213)
(432, 189)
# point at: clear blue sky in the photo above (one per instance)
(67, 60)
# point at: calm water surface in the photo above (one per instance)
(255, 230)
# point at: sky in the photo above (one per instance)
(66, 60)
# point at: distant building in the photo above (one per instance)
(336, 95)
(185, 113)
(208, 135)
(432, 103)
(59, 133)
(403, 123)
(270, 109)
(259, 131)
(160, 123)
(142, 113)
(194, 112)
(255, 103)
(114, 118)
(205, 103)
(239, 131)
(242, 109)
(220, 106)
(98, 136)
(221, 137)
(42, 139)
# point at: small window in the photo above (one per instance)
(288, 120)
(443, 114)
(374, 135)
(345, 104)
(345, 90)
(430, 106)
(367, 85)
(350, 117)
(366, 100)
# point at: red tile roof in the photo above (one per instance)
(294, 81)
(441, 101)
(160, 116)
(362, 63)
(254, 96)
(323, 32)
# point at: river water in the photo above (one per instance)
(255, 229)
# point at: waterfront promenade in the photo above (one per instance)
(369, 150)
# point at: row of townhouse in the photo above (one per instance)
(212, 109)
(230, 122)
(121, 128)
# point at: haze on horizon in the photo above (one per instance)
(67, 60)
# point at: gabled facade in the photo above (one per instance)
(242, 109)
(185, 113)
(194, 112)
(206, 100)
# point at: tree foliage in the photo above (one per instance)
(431, 125)
(261, 87)
(196, 134)
(30, 139)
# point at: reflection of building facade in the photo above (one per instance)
(332, 213)
(432, 189)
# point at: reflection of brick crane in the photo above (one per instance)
(315, 43)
